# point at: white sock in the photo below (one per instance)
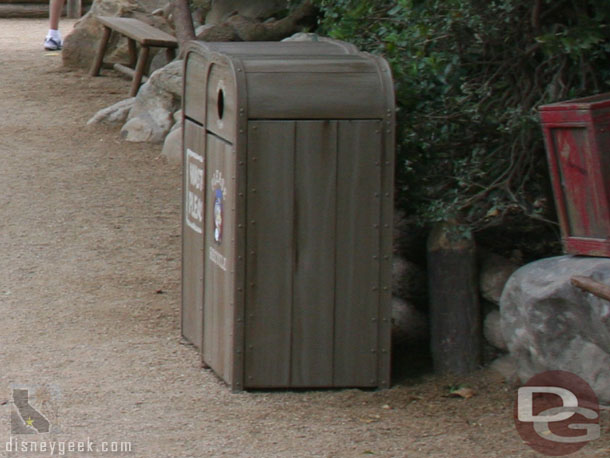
(54, 34)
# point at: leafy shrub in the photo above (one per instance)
(469, 77)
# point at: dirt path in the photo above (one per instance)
(89, 305)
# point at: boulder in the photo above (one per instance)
(506, 366)
(172, 146)
(254, 9)
(152, 115)
(169, 79)
(114, 114)
(80, 46)
(551, 325)
(492, 330)
(494, 272)
(408, 280)
(408, 324)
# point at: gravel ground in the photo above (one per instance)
(90, 297)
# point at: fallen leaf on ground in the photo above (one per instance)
(463, 392)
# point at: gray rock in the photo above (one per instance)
(408, 279)
(151, 126)
(255, 9)
(492, 330)
(177, 119)
(172, 147)
(169, 78)
(551, 325)
(494, 272)
(506, 366)
(114, 114)
(152, 115)
(408, 324)
(303, 36)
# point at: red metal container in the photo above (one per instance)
(577, 138)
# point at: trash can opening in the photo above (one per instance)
(220, 105)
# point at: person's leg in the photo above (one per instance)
(55, 8)
(53, 41)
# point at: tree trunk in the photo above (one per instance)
(183, 22)
(455, 320)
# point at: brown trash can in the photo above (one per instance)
(288, 198)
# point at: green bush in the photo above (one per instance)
(469, 77)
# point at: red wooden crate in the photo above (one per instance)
(577, 138)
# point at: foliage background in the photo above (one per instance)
(469, 77)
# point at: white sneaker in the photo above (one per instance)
(52, 44)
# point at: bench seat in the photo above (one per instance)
(139, 32)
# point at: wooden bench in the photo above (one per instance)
(145, 35)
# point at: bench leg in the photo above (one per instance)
(99, 58)
(140, 67)
(170, 53)
(133, 54)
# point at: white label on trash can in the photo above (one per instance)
(194, 191)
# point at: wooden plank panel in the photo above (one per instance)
(573, 153)
(192, 237)
(195, 83)
(314, 96)
(219, 231)
(270, 212)
(324, 47)
(358, 250)
(314, 276)
(143, 33)
(309, 64)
